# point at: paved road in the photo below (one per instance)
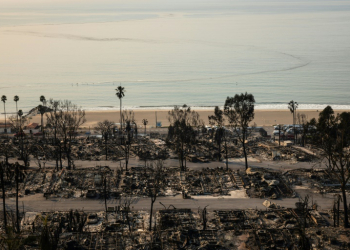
(38, 203)
(236, 164)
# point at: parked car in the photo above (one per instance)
(276, 127)
(289, 136)
(277, 132)
(299, 130)
(38, 133)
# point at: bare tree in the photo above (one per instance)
(181, 133)
(40, 154)
(218, 120)
(125, 203)
(126, 143)
(308, 128)
(106, 130)
(23, 148)
(155, 184)
(66, 117)
(239, 111)
(53, 117)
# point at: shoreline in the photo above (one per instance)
(262, 117)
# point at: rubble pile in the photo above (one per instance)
(94, 182)
(317, 180)
(269, 151)
(69, 183)
(137, 179)
(185, 229)
(263, 183)
(209, 181)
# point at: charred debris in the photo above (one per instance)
(123, 228)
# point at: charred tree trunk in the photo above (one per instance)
(245, 152)
(105, 195)
(2, 170)
(106, 148)
(346, 218)
(17, 210)
(153, 199)
(60, 155)
(182, 157)
(204, 215)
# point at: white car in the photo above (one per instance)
(277, 127)
(276, 132)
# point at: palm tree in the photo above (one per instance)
(120, 93)
(145, 122)
(16, 99)
(20, 113)
(20, 131)
(43, 100)
(292, 105)
(4, 99)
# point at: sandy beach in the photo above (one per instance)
(262, 117)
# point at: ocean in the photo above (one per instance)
(168, 53)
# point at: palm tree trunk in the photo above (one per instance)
(120, 112)
(17, 113)
(245, 153)
(5, 119)
(17, 210)
(294, 127)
